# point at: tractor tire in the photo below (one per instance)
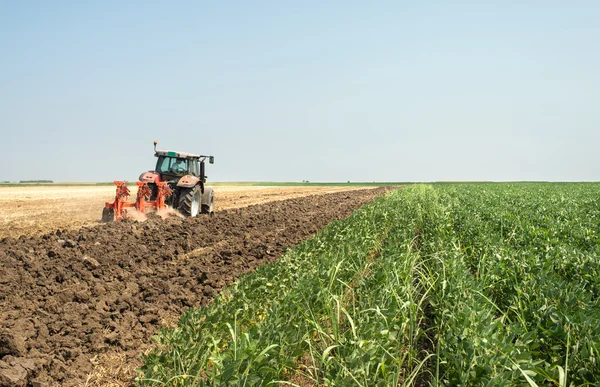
(108, 214)
(188, 203)
(208, 201)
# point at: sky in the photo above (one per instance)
(302, 90)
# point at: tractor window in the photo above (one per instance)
(194, 167)
(171, 165)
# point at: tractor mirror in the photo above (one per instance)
(211, 160)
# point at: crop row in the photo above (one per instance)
(532, 251)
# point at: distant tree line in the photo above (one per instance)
(36, 181)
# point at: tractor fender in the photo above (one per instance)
(188, 181)
(150, 177)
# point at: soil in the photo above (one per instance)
(72, 300)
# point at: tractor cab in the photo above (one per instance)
(177, 164)
(172, 165)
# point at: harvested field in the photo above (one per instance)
(40, 209)
(79, 306)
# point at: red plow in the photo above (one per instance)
(117, 209)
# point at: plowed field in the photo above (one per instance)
(36, 210)
(79, 306)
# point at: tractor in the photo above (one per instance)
(176, 182)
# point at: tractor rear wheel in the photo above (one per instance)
(189, 201)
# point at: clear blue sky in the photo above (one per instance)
(294, 90)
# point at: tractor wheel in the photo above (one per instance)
(108, 214)
(189, 201)
(208, 201)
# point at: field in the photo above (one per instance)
(79, 306)
(444, 284)
(470, 285)
(37, 209)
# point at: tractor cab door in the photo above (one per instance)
(193, 170)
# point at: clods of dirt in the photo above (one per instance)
(69, 296)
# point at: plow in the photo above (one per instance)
(176, 182)
(117, 209)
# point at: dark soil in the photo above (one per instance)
(69, 296)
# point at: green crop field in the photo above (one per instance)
(448, 284)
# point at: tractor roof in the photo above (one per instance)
(169, 153)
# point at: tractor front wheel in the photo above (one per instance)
(189, 201)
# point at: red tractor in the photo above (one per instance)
(177, 181)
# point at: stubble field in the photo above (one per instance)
(34, 210)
